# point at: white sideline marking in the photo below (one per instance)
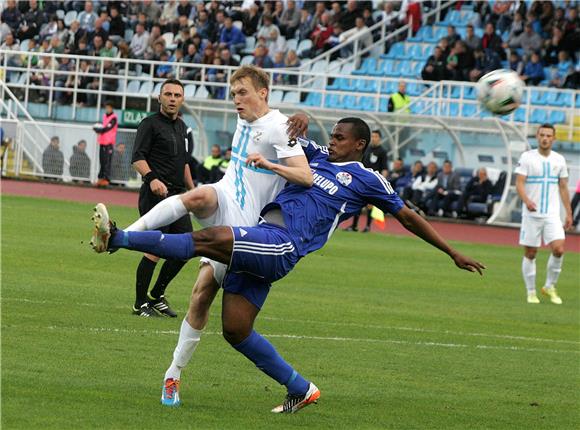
(333, 323)
(330, 338)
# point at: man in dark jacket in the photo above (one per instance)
(80, 163)
(446, 191)
(476, 191)
(52, 158)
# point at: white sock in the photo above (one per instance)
(529, 273)
(554, 269)
(164, 213)
(188, 340)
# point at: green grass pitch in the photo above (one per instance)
(391, 332)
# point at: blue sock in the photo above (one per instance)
(261, 352)
(168, 246)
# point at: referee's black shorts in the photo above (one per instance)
(146, 202)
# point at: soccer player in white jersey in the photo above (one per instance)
(542, 184)
(236, 199)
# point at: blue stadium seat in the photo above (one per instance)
(538, 97)
(189, 91)
(557, 117)
(578, 101)
(396, 70)
(417, 108)
(366, 104)
(133, 87)
(455, 92)
(304, 46)
(452, 18)
(378, 70)
(469, 93)
(396, 50)
(520, 115)
(331, 101)
(313, 99)
(347, 85)
(454, 109)
(276, 97)
(388, 87)
(292, 97)
(405, 68)
(415, 52)
(539, 116)
(468, 110)
(388, 68)
(552, 99)
(423, 32)
(360, 85)
(336, 84)
(384, 105)
(414, 89)
(348, 102)
(565, 99)
(367, 65)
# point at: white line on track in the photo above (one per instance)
(321, 338)
(335, 323)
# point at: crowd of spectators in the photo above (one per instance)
(533, 41)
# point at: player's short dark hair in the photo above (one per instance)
(546, 125)
(360, 128)
(378, 132)
(109, 103)
(171, 81)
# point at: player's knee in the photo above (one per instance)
(531, 254)
(196, 199)
(233, 334)
(558, 251)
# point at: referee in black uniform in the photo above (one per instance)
(161, 155)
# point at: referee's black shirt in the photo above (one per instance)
(163, 143)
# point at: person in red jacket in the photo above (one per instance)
(107, 137)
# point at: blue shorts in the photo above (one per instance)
(261, 255)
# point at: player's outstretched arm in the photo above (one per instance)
(419, 227)
(294, 169)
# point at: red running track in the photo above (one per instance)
(450, 230)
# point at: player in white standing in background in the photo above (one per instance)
(542, 184)
(236, 199)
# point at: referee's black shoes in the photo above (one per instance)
(162, 306)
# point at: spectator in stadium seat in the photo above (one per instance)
(516, 64)
(445, 47)
(364, 42)
(423, 186)
(390, 16)
(52, 158)
(446, 191)
(411, 12)
(251, 20)
(11, 44)
(227, 59)
(533, 71)
(306, 25)
(492, 41)
(572, 30)
(139, 42)
(399, 102)
(319, 10)
(64, 65)
(151, 10)
(87, 17)
(486, 60)
(290, 20)
(207, 29)
(168, 15)
(184, 8)
(277, 12)
(517, 27)
(49, 29)
(232, 37)
(563, 69)
(500, 15)
(477, 190)
(452, 35)
(348, 16)
(11, 15)
(96, 46)
(553, 46)
(100, 29)
(398, 171)
(434, 69)
(292, 61)
(116, 25)
(320, 35)
(266, 29)
(279, 63)
(32, 21)
(529, 41)
(405, 184)
(261, 58)
(75, 34)
(79, 162)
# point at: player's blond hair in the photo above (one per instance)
(259, 78)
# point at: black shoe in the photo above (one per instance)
(351, 229)
(144, 311)
(366, 229)
(162, 307)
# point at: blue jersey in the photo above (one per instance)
(340, 190)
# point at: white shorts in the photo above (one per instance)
(228, 213)
(536, 229)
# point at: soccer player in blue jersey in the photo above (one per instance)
(299, 221)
